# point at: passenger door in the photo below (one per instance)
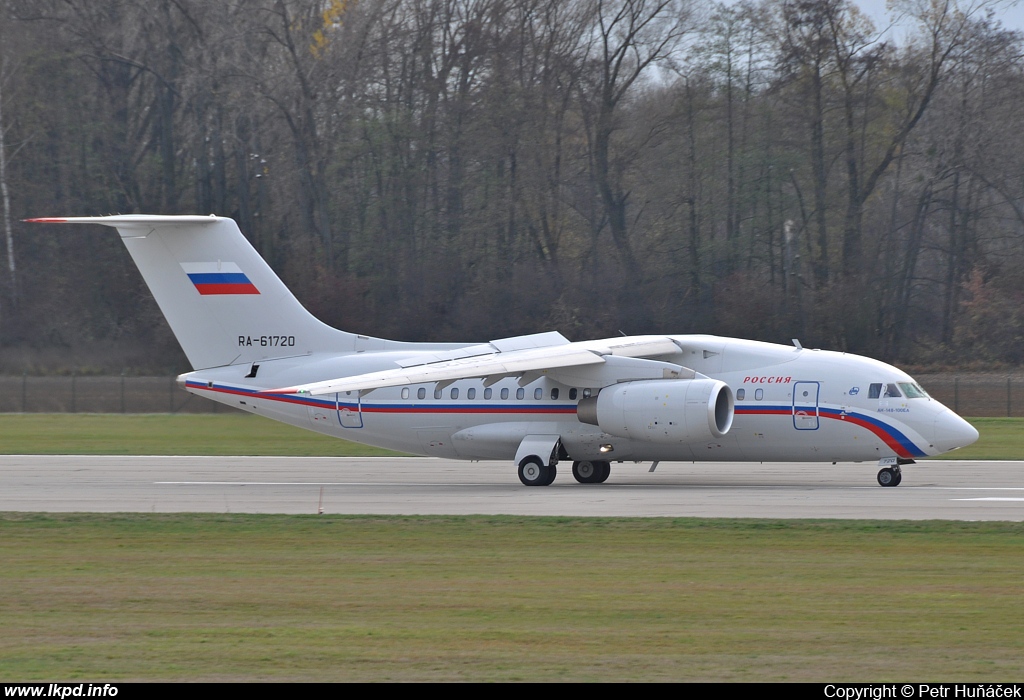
(805, 405)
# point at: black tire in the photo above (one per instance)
(888, 477)
(606, 470)
(587, 472)
(552, 473)
(899, 478)
(533, 472)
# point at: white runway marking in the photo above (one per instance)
(975, 488)
(987, 499)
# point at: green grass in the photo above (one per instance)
(244, 597)
(284, 598)
(165, 434)
(243, 434)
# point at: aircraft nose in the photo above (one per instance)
(951, 431)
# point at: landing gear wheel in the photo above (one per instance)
(586, 472)
(591, 472)
(889, 477)
(533, 472)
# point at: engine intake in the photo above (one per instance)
(671, 411)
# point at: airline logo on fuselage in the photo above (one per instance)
(219, 278)
(767, 380)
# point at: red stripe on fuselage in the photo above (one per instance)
(877, 430)
(880, 432)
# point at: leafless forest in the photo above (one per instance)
(474, 169)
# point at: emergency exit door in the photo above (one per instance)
(350, 409)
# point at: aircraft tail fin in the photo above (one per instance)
(222, 300)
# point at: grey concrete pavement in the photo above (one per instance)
(930, 490)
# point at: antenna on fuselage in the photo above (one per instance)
(796, 343)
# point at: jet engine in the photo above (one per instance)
(668, 411)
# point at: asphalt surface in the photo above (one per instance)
(931, 490)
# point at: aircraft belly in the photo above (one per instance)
(501, 440)
(437, 442)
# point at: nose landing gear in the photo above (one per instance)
(890, 476)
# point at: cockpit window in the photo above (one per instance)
(913, 391)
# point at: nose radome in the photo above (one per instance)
(951, 431)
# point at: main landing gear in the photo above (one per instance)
(890, 476)
(591, 472)
(538, 454)
(533, 472)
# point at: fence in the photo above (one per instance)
(77, 394)
(967, 394)
(977, 394)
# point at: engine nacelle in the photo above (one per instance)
(681, 411)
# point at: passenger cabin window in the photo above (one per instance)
(520, 393)
(455, 393)
(504, 393)
(487, 393)
(437, 393)
(759, 394)
(741, 394)
(538, 393)
(572, 394)
(554, 394)
(405, 392)
(586, 393)
(470, 394)
(421, 393)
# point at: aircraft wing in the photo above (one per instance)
(495, 364)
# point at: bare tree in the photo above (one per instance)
(629, 36)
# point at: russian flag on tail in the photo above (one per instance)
(219, 278)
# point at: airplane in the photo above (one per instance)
(534, 399)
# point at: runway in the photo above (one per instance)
(944, 490)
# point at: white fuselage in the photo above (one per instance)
(791, 404)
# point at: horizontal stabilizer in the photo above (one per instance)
(129, 221)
